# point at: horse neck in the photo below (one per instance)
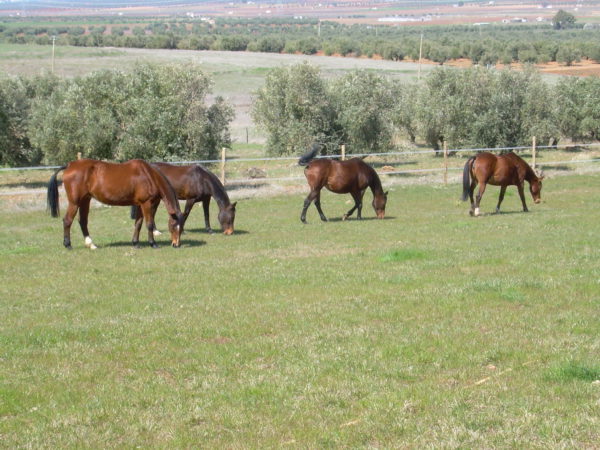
(217, 191)
(167, 193)
(375, 184)
(530, 175)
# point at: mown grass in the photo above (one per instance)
(427, 329)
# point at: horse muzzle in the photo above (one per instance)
(537, 200)
(228, 232)
(380, 215)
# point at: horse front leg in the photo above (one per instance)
(206, 209)
(309, 199)
(500, 198)
(139, 218)
(482, 187)
(150, 225)
(522, 195)
(84, 211)
(67, 221)
(357, 205)
(189, 204)
(360, 205)
(318, 205)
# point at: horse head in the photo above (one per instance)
(175, 223)
(379, 202)
(535, 187)
(226, 218)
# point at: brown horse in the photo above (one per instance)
(131, 183)
(503, 170)
(353, 176)
(193, 183)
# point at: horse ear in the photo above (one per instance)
(233, 205)
(386, 193)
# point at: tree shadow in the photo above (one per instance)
(26, 185)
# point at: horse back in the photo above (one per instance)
(503, 170)
(349, 176)
(111, 183)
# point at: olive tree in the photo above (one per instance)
(295, 109)
(154, 112)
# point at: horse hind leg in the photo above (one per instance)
(309, 199)
(482, 187)
(67, 222)
(500, 198)
(471, 191)
(318, 205)
(84, 211)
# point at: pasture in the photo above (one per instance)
(429, 328)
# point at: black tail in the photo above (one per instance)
(133, 212)
(467, 178)
(309, 156)
(52, 198)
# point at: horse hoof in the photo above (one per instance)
(471, 213)
(345, 216)
(175, 245)
(476, 213)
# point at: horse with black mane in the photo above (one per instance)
(504, 170)
(353, 176)
(133, 182)
(193, 183)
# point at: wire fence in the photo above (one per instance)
(442, 166)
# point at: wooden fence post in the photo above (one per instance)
(78, 155)
(445, 162)
(533, 150)
(343, 152)
(223, 155)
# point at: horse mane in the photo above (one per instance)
(375, 182)
(309, 156)
(167, 192)
(217, 189)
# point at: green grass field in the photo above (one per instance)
(427, 329)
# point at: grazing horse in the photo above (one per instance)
(503, 170)
(131, 183)
(193, 183)
(353, 176)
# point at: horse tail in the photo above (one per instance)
(467, 178)
(52, 197)
(133, 212)
(309, 156)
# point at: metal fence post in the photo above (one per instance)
(343, 152)
(223, 156)
(533, 151)
(445, 162)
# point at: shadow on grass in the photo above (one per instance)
(354, 219)
(144, 245)
(215, 231)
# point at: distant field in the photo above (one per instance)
(236, 75)
(427, 329)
